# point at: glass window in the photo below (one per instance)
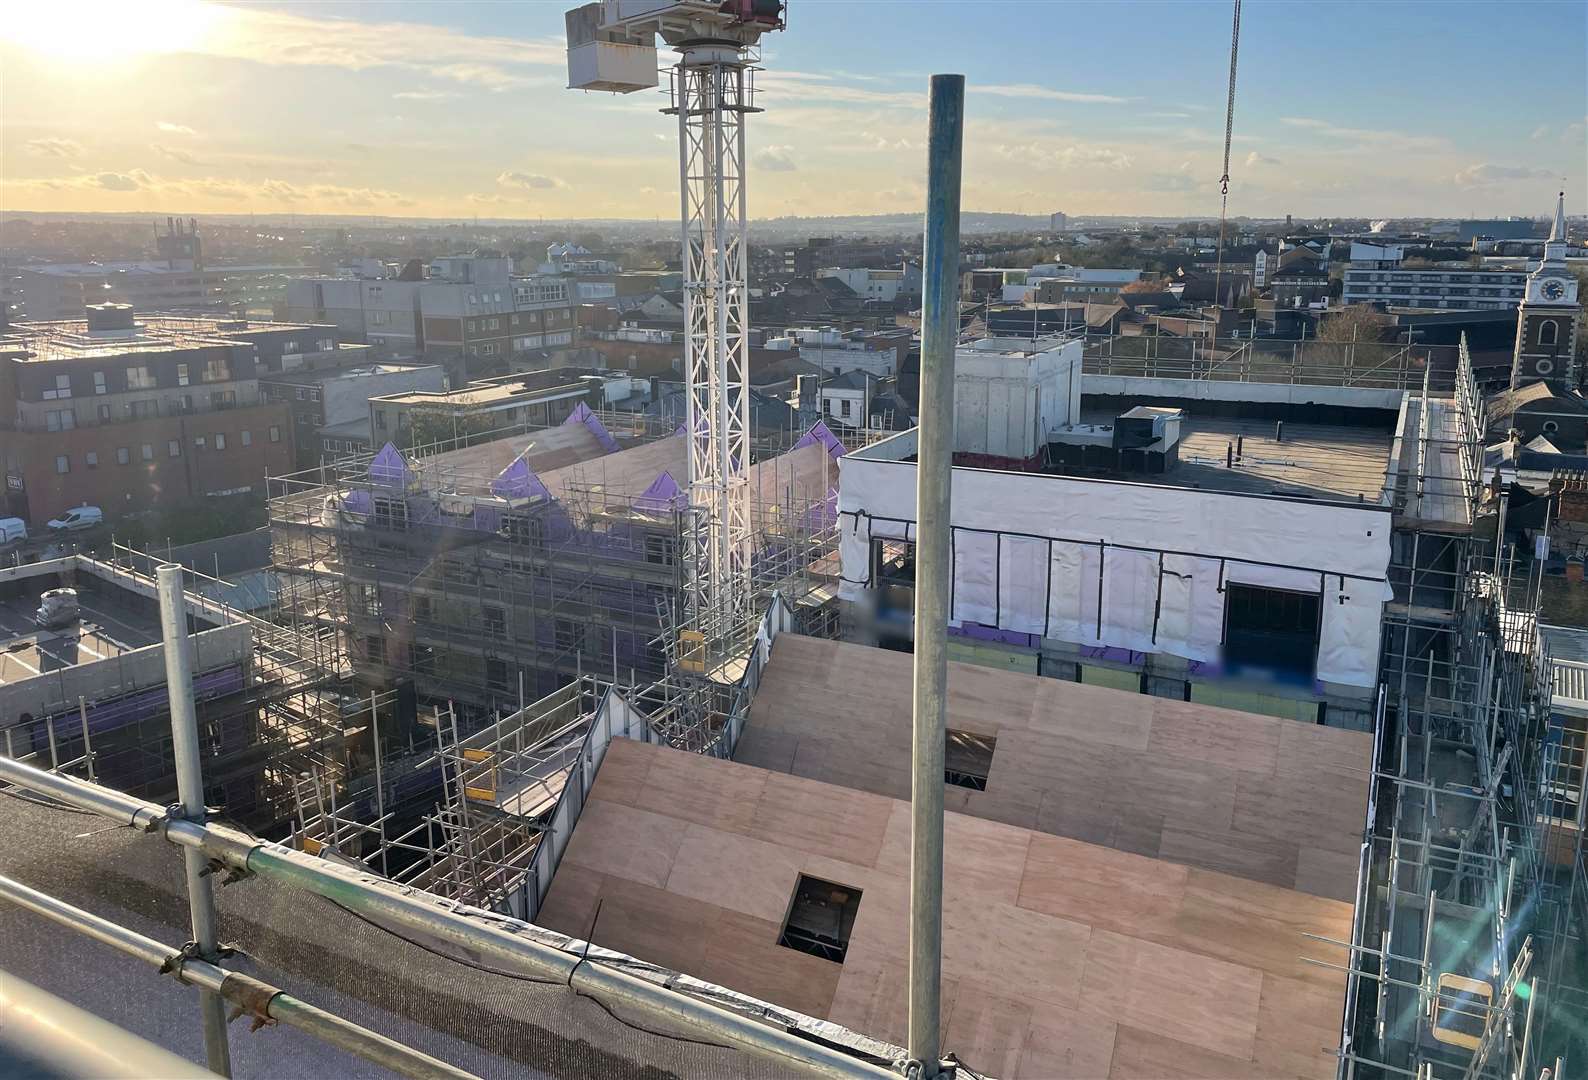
(275, 433)
(99, 382)
(220, 441)
(91, 459)
(181, 375)
(199, 443)
(248, 438)
(146, 451)
(63, 464)
(173, 448)
(123, 455)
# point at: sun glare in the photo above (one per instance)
(106, 30)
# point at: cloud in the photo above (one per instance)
(515, 179)
(173, 129)
(1065, 157)
(1540, 132)
(285, 38)
(1481, 175)
(775, 159)
(425, 95)
(281, 191)
(1367, 136)
(1168, 115)
(110, 181)
(1029, 90)
(1254, 159)
(176, 153)
(51, 146)
(1181, 180)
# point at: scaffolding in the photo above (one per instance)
(1465, 950)
(269, 703)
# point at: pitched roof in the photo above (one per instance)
(1506, 404)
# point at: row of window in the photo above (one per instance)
(143, 409)
(1424, 289)
(1428, 276)
(173, 449)
(139, 377)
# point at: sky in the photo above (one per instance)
(1369, 108)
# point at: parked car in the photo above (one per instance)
(13, 530)
(80, 517)
(58, 608)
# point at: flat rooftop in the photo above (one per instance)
(112, 623)
(1324, 461)
(1273, 801)
(1060, 958)
(472, 396)
(68, 339)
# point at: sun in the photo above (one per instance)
(107, 30)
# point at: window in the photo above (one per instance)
(1544, 367)
(380, 419)
(219, 369)
(569, 636)
(314, 393)
(173, 448)
(496, 673)
(487, 349)
(248, 438)
(1550, 427)
(661, 549)
(968, 759)
(1548, 332)
(123, 455)
(471, 326)
(62, 388)
(199, 443)
(104, 412)
(220, 441)
(181, 375)
(495, 621)
(275, 433)
(138, 378)
(820, 918)
(99, 382)
(63, 464)
(91, 459)
(60, 420)
(146, 451)
(302, 394)
(223, 399)
(1271, 630)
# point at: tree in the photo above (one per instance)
(428, 427)
(1356, 323)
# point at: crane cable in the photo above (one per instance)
(1229, 132)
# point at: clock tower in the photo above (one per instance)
(1546, 323)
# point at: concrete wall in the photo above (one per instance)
(1132, 386)
(347, 399)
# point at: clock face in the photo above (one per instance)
(1552, 290)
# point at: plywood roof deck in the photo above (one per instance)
(1270, 800)
(1323, 461)
(1060, 958)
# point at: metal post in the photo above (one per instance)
(190, 793)
(939, 335)
(88, 750)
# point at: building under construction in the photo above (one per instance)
(489, 575)
(89, 692)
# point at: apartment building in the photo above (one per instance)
(470, 313)
(1377, 275)
(127, 413)
(330, 408)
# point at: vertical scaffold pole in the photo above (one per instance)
(939, 336)
(190, 793)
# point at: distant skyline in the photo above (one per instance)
(453, 110)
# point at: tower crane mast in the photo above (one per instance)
(612, 46)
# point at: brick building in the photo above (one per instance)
(129, 414)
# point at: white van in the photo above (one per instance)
(79, 517)
(13, 530)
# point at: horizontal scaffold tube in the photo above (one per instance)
(383, 902)
(250, 996)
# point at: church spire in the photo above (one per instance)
(1559, 231)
